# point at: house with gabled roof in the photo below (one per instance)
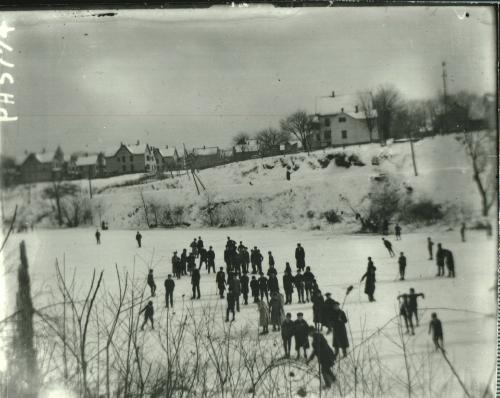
(128, 159)
(205, 157)
(44, 166)
(248, 150)
(344, 120)
(167, 159)
(91, 166)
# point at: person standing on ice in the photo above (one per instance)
(402, 266)
(437, 332)
(169, 291)
(148, 315)
(300, 257)
(405, 313)
(272, 271)
(273, 284)
(301, 333)
(184, 262)
(397, 230)
(194, 247)
(287, 334)
(195, 281)
(462, 232)
(413, 304)
(254, 286)
(138, 238)
(176, 266)
(263, 316)
(277, 311)
(308, 283)
(244, 281)
(288, 285)
(151, 283)
(259, 257)
(430, 245)
(318, 304)
(263, 287)
(288, 268)
(98, 237)
(220, 279)
(388, 246)
(325, 355)
(340, 340)
(327, 312)
(235, 286)
(450, 263)
(202, 252)
(230, 304)
(288, 173)
(440, 260)
(299, 284)
(191, 263)
(271, 259)
(253, 259)
(369, 275)
(199, 244)
(211, 259)
(246, 259)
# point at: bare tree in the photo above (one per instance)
(480, 149)
(300, 125)
(56, 192)
(270, 137)
(387, 101)
(241, 138)
(366, 102)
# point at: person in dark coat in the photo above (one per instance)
(176, 266)
(300, 257)
(340, 340)
(98, 237)
(450, 263)
(325, 355)
(272, 271)
(169, 291)
(388, 246)
(271, 260)
(138, 238)
(288, 286)
(195, 281)
(402, 266)
(369, 275)
(202, 252)
(397, 230)
(301, 334)
(184, 262)
(430, 245)
(148, 315)
(199, 244)
(327, 312)
(246, 259)
(230, 304)
(194, 247)
(191, 263)
(151, 283)
(288, 268)
(263, 316)
(462, 232)
(440, 260)
(244, 281)
(299, 284)
(272, 284)
(259, 259)
(220, 279)
(263, 287)
(437, 332)
(318, 304)
(413, 304)
(235, 285)
(211, 260)
(277, 311)
(254, 286)
(308, 282)
(253, 259)
(288, 173)
(287, 332)
(405, 313)
(227, 257)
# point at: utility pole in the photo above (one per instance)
(445, 96)
(413, 154)
(90, 183)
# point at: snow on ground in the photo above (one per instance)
(466, 305)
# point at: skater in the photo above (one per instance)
(235, 286)
(287, 334)
(402, 266)
(254, 287)
(254, 260)
(430, 245)
(369, 275)
(194, 247)
(148, 315)
(288, 173)
(288, 268)
(327, 312)
(230, 304)
(199, 244)
(288, 286)
(184, 262)
(301, 333)
(138, 238)
(220, 279)
(272, 271)
(151, 283)
(277, 311)
(169, 291)
(318, 304)
(211, 259)
(437, 332)
(272, 284)
(462, 232)
(244, 281)
(195, 281)
(450, 262)
(340, 340)
(404, 311)
(299, 284)
(263, 316)
(325, 355)
(202, 252)
(440, 260)
(413, 304)
(98, 237)
(300, 257)
(388, 246)
(246, 259)
(397, 230)
(271, 260)
(176, 266)
(263, 287)
(191, 263)
(308, 283)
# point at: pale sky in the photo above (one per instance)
(201, 76)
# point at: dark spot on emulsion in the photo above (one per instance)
(467, 15)
(86, 34)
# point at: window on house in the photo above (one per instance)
(327, 122)
(327, 134)
(344, 134)
(123, 159)
(342, 119)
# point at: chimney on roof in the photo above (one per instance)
(333, 94)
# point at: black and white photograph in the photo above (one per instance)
(249, 201)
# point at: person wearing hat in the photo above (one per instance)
(340, 340)
(287, 334)
(244, 281)
(211, 259)
(271, 259)
(148, 314)
(184, 262)
(301, 333)
(231, 300)
(288, 286)
(318, 304)
(327, 312)
(277, 311)
(263, 288)
(299, 284)
(151, 283)
(169, 291)
(176, 266)
(254, 286)
(263, 316)
(308, 283)
(430, 245)
(402, 266)
(300, 257)
(138, 238)
(369, 275)
(325, 355)
(220, 279)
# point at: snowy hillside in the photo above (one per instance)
(256, 193)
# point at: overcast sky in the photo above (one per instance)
(200, 76)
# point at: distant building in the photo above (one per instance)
(344, 120)
(205, 157)
(167, 159)
(246, 151)
(138, 158)
(91, 166)
(45, 166)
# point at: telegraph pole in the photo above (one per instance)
(445, 96)
(90, 183)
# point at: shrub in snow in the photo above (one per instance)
(423, 211)
(310, 214)
(331, 216)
